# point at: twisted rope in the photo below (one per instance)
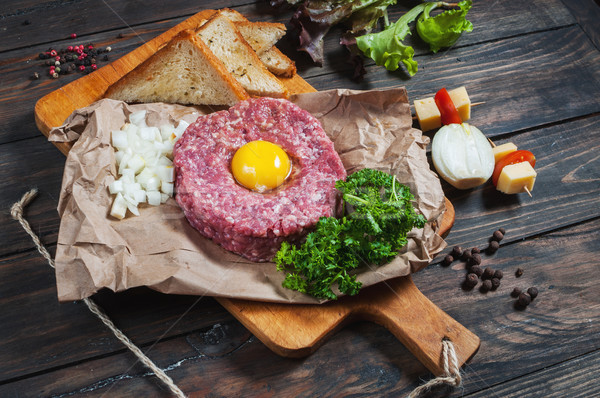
(16, 211)
(451, 371)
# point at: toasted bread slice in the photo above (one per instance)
(275, 61)
(228, 45)
(233, 15)
(278, 63)
(261, 35)
(184, 71)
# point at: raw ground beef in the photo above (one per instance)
(245, 222)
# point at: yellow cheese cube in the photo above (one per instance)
(462, 102)
(515, 177)
(501, 151)
(428, 114)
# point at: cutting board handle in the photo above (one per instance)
(419, 324)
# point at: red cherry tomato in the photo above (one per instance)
(448, 111)
(512, 158)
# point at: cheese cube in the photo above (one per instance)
(501, 151)
(428, 114)
(462, 102)
(515, 177)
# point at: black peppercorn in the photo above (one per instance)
(475, 250)
(495, 283)
(486, 286)
(43, 56)
(457, 251)
(516, 291)
(471, 281)
(466, 254)
(477, 270)
(498, 236)
(493, 247)
(475, 259)
(533, 292)
(448, 260)
(519, 272)
(502, 231)
(105, 58)
(488, 273)
(498, 274)
(524, 299)
(27, 22)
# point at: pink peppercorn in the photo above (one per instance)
(73, 35)
(53, 53)
(94, 66)
(57, 58)
(81, 68)
(90, 47)
(70, 49)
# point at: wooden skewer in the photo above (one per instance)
(472, 104)
(492, 143)
(528, 192)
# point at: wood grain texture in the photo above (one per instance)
(554, 382)
(544, 90)
(562, 324)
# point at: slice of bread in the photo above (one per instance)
(278, 63)
(233, 15)
(275, 61)
(184, 71)
(261, 35)
(228, 45)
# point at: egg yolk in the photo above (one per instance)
(260, 165)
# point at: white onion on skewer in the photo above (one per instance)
(462, 155)
(143, 154)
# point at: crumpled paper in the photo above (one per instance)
(159, 248)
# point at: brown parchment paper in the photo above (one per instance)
(159, 249)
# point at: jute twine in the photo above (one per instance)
(450, 361)
(16, 212)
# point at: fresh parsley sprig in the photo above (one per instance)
(379, 216)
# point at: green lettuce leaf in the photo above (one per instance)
(386, 47)
(444, 29)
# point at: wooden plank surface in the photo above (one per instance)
(528, 51)
(561, 325)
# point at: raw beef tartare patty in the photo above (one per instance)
(249, 223)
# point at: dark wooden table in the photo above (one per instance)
(535, 64)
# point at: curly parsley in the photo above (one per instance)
(380, 214)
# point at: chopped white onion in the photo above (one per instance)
(143, 154)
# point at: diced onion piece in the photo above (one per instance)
(136, 163)
(143, 154)
(167, 187)
(119, 139)
(119, 207)
(115, 187)
(166, 130)
(165, 173)
(153, 184)
(153, 198)
(138, 118)
(181, 128)
(462, 155)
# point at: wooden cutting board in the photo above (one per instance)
(292, 330)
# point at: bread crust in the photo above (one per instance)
(119, 89)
